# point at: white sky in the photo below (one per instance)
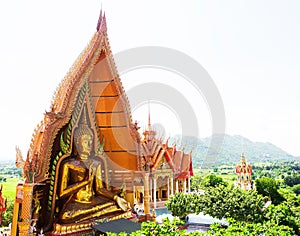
(249, 48)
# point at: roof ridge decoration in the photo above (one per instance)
(60, 113)
(99, 20)
(102, 28)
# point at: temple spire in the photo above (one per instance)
(149, 134)
(149, 120)
(243, 159)
(101, 25)
(243, 151)
(100, 19)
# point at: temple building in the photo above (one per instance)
(87, 162)
(170, 169)
(244, 174)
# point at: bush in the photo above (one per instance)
(253, 229)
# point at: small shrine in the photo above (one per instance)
(244, 174)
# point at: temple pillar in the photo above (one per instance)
(146, 194)
(184, 185)
(168, 188)
(154, 192)
(189, 184)
(134, 195)
(18, 201)
(26, 211)
(15, 218)
(172, 186)
(176, 186)
(151, 190)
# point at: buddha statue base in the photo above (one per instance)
(77, 212)
(74, 229)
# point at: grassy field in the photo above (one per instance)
(228, 177)
(9, 188)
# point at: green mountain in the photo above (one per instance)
(227, 149)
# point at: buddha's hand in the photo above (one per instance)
(123, 204)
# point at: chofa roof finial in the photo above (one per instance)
(100, 19)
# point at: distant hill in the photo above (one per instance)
(230, 151)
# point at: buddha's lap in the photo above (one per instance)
(74, 210)
(94, 201)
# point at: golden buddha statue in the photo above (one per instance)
(81, 183)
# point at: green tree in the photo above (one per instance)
(241, 228)
(282, 214)
(269, 188)
(220, 202)
(296, 189)
(292, 180)
(290, 197)
(196, 182)
(212, 181)
(227, 201)
(181, 204)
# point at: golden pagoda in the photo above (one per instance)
(86, 162)
(244, 174)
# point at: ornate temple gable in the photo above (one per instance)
(162, 163)
(182, 164)
(156, 154)
(186, 165)
(112, 112)
(152, 149)
(177, 159)
(169, 157)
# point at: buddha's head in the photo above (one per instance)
(83, 138)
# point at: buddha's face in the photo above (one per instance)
(85, 146)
